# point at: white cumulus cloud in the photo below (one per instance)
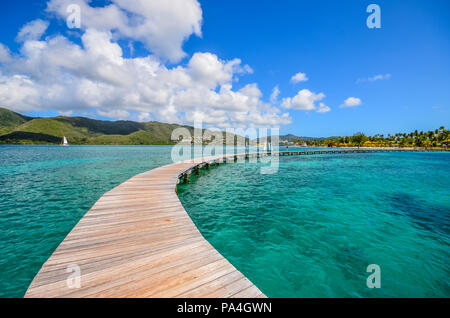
(19, 92)
(32, 30)
(94, 76)
(162, 25)
(119, 114)
(274, 95)
(323, 108)
(5, 55)
(304, 100)
(299, 77)
(351, 102)
(206, 68)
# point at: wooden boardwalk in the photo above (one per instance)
(138, 241)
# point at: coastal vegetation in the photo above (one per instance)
(439, 138)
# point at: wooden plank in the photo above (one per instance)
(138, 241)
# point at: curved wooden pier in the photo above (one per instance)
(138, 241)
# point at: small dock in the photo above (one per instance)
(138, 241)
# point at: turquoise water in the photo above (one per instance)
(309, 230)
(312, 229)
(45, 190)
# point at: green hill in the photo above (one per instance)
(19, 129)
(10, 120)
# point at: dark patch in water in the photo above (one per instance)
(431, 217)
(351, 258)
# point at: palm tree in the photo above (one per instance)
(418, 142)
(331, 143)
(359, 138)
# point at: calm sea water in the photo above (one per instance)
(309, 230)
(45, 190)
(312, 229)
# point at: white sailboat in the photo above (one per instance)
(65, 142)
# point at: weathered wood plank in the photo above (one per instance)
(138, 241)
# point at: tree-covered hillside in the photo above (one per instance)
(19, 129)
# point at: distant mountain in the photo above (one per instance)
(18, 129)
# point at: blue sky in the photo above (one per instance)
(327, 40)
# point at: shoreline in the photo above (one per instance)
(280, 146)
(385, 148)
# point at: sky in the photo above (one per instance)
(312, 68)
